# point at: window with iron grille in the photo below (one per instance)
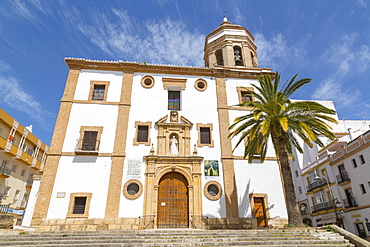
(205, 135)
(89, 140)
(142, 133)
(79, 205)
(98, 93)
(174, 100)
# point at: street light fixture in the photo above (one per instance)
(334, 201)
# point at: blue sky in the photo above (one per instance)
(328, 41)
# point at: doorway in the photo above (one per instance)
(260, 213)
(173, 201)
(361, 230)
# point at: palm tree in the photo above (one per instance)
(274, 116)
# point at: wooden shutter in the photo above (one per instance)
(205, 135)
(79, 206)
(142, 133)
(89, 141)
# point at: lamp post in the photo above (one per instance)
(334, 201)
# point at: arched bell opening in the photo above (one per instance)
(238, 56)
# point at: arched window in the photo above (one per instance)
(219, 58)
(238, 56)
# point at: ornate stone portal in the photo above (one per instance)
(184, 163)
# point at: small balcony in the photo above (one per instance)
(317, 184)
(351, 203)
(5, 171)
(321, 206)
(343, 178)
(87, 147)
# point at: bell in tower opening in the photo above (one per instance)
(238, 56)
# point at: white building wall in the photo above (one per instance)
(88, 174)
(197, 107)
(84, 84)
(91, 174)
(92, 115)
(28, 212)
(259, 178)
(358, 175)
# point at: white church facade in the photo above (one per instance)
(140, 146)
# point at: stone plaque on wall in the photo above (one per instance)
(134, 169)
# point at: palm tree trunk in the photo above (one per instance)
(294, 215)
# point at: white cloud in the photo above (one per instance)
(14, 96)
(346, 59)
(277, 53)
(17, 10)
(4, 66)
(239, 16)
(332, 89)
(362, 3)
(165, 41)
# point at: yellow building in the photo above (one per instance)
(22, 156)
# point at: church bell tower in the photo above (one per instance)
(230, 46)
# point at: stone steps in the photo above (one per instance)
(184, 237)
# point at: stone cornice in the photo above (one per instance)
(243, 73)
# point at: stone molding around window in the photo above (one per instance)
(99, 129)
(70, 213)
(200, 85)
(147, 81)
(137, 124)
(93, 83)
(127, 194)
(210, 126)
(174, 82)
(208, 195)
(242, 89)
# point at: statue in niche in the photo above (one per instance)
(174, 148)
(174, 116)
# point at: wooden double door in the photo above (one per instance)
(173, 201)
